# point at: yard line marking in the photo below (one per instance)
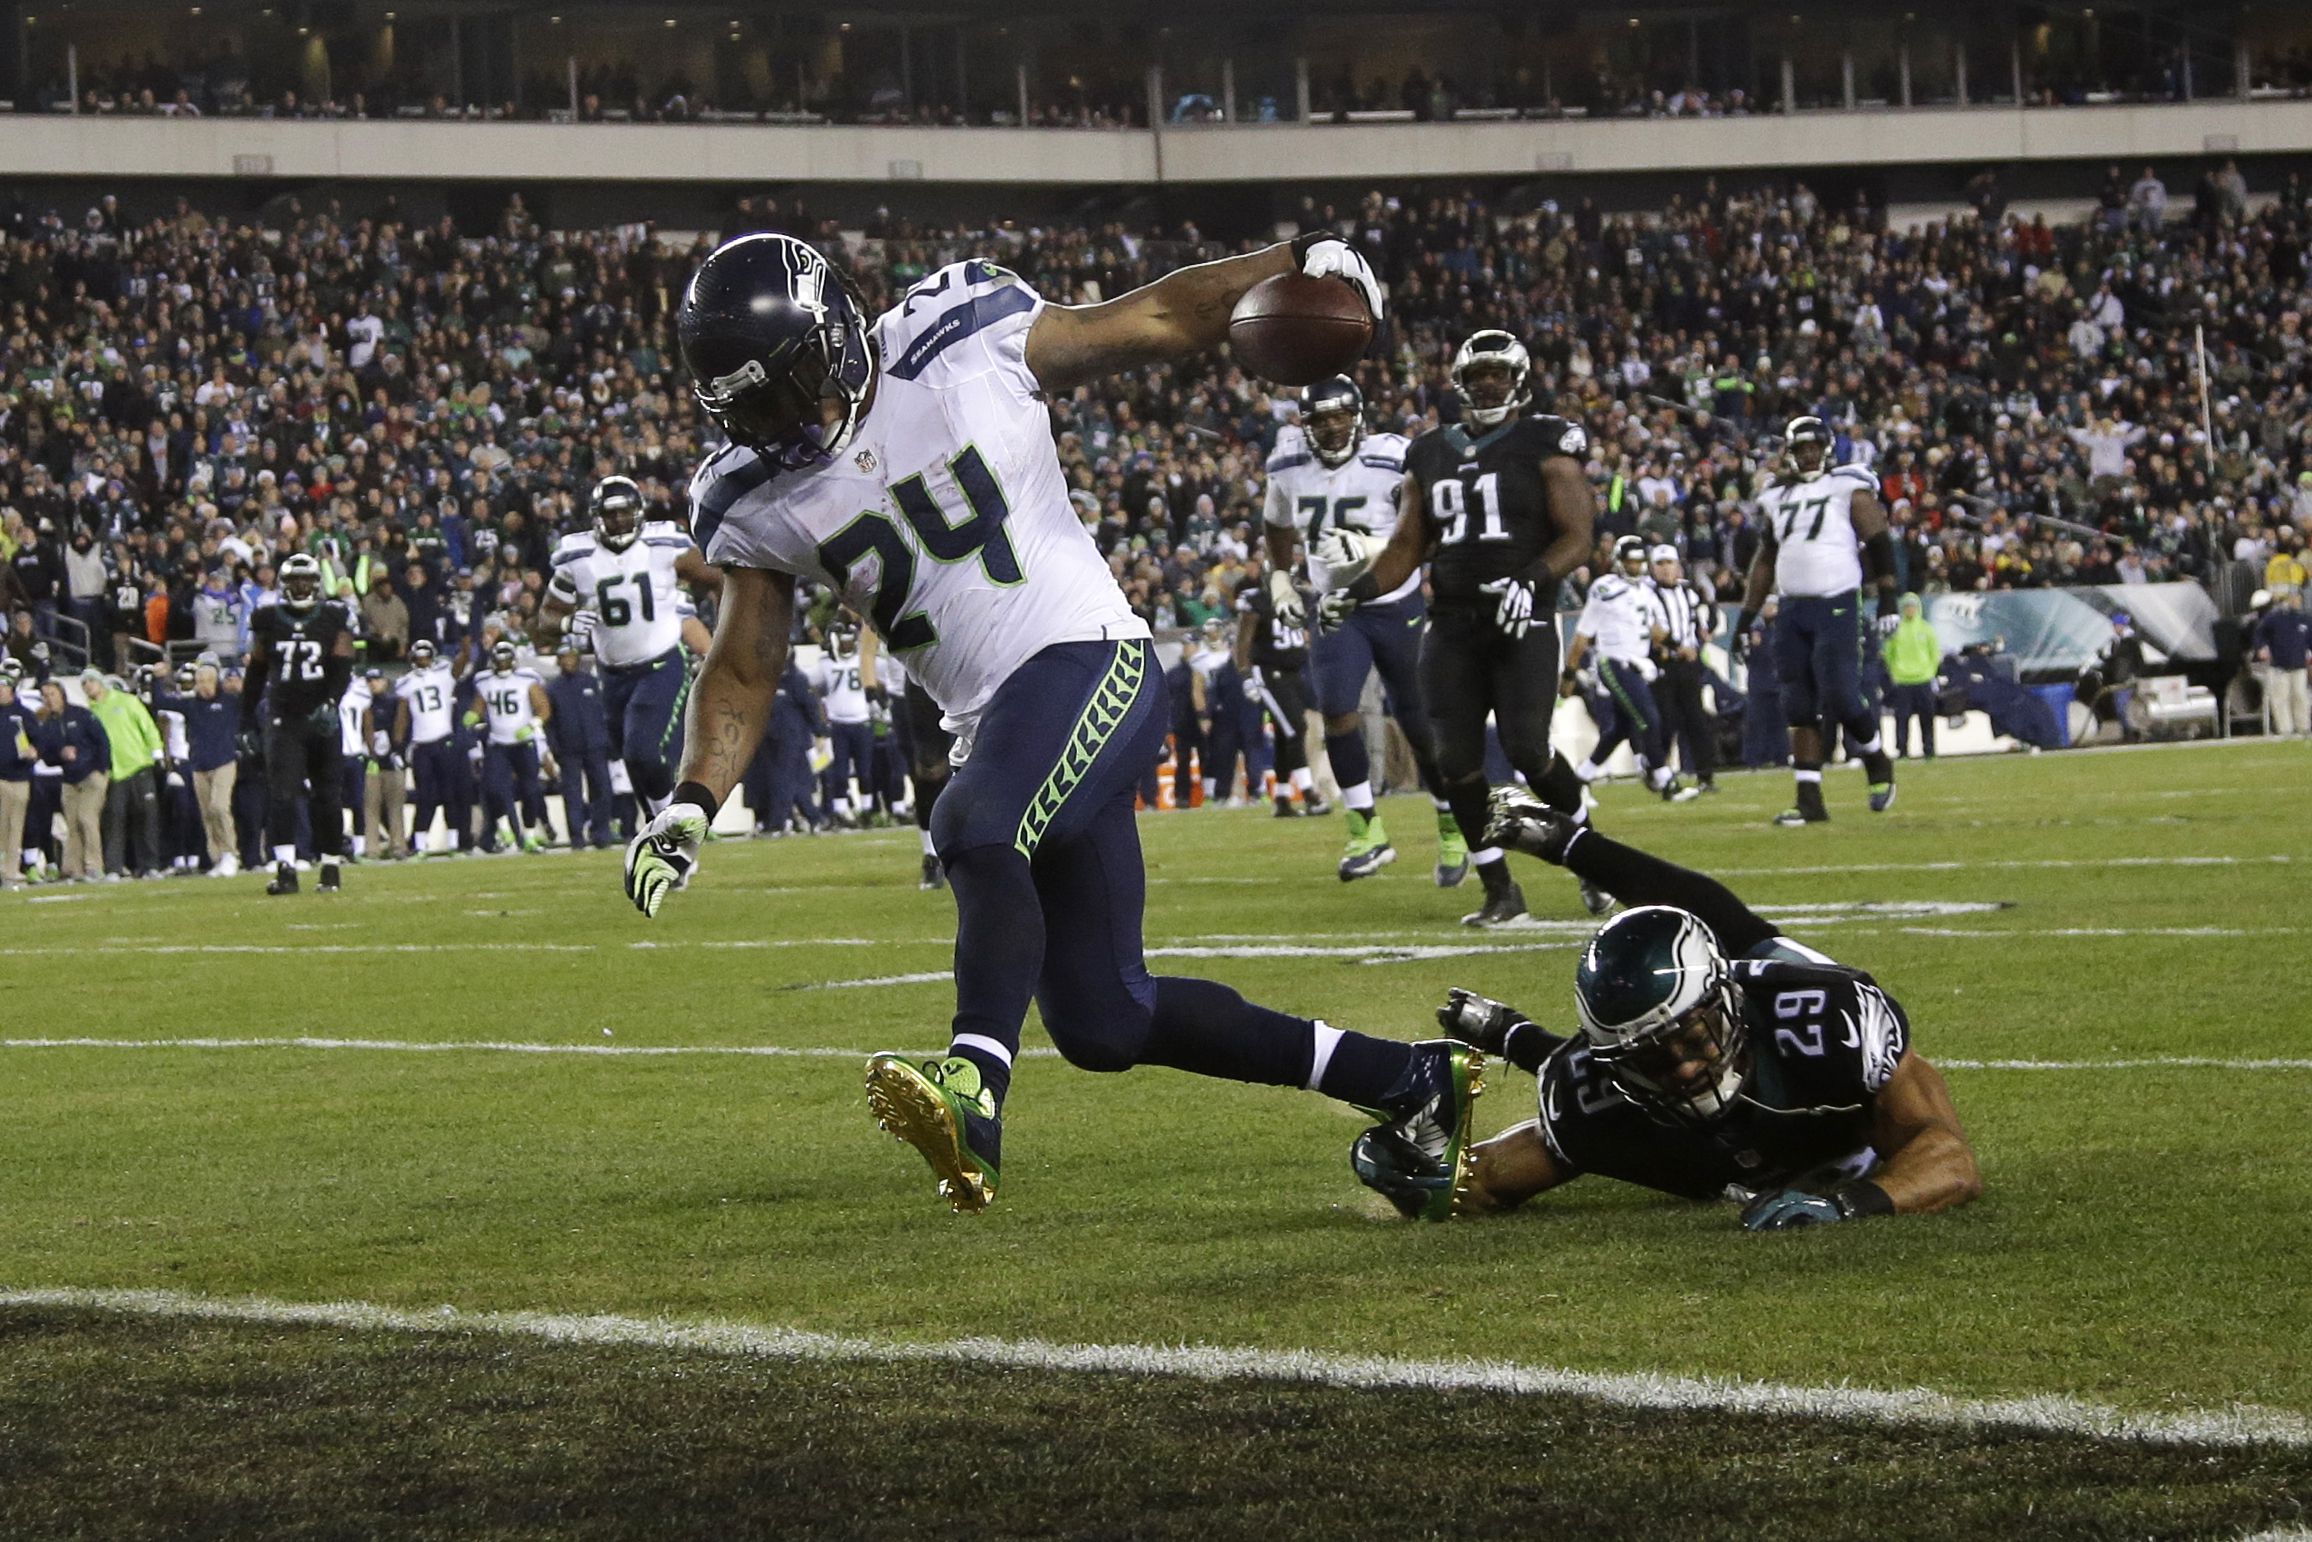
(2001, 864)
(1038, 1051)
(166, 949)
(2238, 1425)
(2098, 931)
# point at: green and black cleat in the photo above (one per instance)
(942, 1110)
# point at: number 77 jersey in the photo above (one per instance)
(1816, 550)
(634, 594)
(946, 520)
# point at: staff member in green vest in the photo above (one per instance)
(1914, 657)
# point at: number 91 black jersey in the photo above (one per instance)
(1822, 1039)
(1486, 503)
(300, 646)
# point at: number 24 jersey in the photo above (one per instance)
(946, 520)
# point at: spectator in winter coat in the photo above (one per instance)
(72, 740)
(132, 799)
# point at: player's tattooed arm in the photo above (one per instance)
(1182, 314)
(554, 614)
(1925, 1163)
(730, 702)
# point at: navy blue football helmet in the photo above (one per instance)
(616, 505)
(771, 331)
(1333, 416)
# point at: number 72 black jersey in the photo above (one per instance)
(1486, 501)
(300, 645)
(1823, 1040)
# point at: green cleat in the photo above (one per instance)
(1452, 851)
(1368, 850)
(941, 1109)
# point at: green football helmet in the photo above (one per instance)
(1660, 1016)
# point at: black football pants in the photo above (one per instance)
(1469, 670)
(304, 760)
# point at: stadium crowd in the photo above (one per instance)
(187, 400)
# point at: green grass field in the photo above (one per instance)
(2144, 1244)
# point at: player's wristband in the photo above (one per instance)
(696, 792)
(1859, 1198)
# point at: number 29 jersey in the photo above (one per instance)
(1816, 551)
(634, 594)
(1485, 497)
(1306, 495)
(946, 519)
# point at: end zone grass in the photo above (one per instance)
(2142, 1244)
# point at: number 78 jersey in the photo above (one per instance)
(634, 594)
(946, 520)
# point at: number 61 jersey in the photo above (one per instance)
(634, 594)
(946, 519)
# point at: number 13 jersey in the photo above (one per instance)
(1487, 504)
(946, 520)
(1816, 551)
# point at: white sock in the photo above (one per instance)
(1869, 746)
(927, 847)
(983, 1044)
(1804, 777)
(360, 845)
(1441, 806)
(1303, 779)
(1485, 854)
(1588, 771)
(285, 854)
(1327, 1039)
(1359, 797)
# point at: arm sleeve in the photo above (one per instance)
(253, 686)
(1636, 878)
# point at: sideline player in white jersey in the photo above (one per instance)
(627, 576)
(907, 463)
(353, 751)
(841, 682)
(1823, 526)
(511, 702)
(1618, 619)
(1325, 475)
(426, 721)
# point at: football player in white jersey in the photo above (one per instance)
(628, 577)
(512, 702)
(426, 721)
(907, 463)
(1618, 620)
(1823, 526)
(1328, 474)
(841, 682)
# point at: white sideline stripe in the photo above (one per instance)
(131, 945)
(2100, 931)
(2235, 1426)
(1040, 1052)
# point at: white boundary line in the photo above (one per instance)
(1039, 1051)
(1916, 1407)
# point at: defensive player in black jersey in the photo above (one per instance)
(1270, 654)
(1716, 1059)
(300, 660)
(1501, 509)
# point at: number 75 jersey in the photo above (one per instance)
(946, 520)
(634, 594)
(1306, 495)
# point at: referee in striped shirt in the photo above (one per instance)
(1687, 617)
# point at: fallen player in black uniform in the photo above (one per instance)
(1716, 1059)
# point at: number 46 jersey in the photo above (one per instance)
(634, 594)
(946, 519)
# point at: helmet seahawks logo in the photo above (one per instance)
(1573, 441)
(811, 288)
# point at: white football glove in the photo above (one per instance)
(1347, 554)
(1887, 622)
(662, 857)
(578, 632)
(1285, 596)
(1513, 609)
(1331, 257)
(1334, 609)
(380, 744)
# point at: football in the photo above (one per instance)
(1295, 330)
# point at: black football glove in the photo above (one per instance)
(1788, 1210)
(1515, 818)
(1479, 1021)
(251, 743)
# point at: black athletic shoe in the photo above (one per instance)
(1594, 899)
(1504, 901)
(284, 879)
(328, 884)
(934, 875)
(1809, 809)
(1287, 809)
(1314, 805)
